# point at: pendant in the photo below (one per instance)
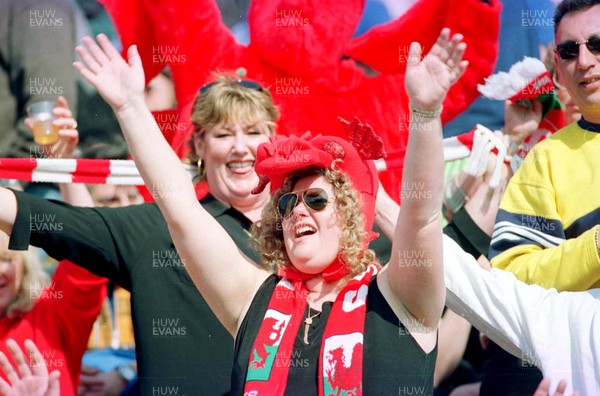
(307, 322)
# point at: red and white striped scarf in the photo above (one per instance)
(92, 171)
(477, 144)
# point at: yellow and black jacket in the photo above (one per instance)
(545, 231)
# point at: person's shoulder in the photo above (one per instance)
(568, 140)
(567, 132)
(213, 206)
(142, 207)
(142, 213)
(558, 141)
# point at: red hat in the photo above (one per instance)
(284, 155)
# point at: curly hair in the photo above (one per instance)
(228, 100)
(268, 233)
(33, 282)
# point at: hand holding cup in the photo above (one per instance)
(42, 118)
(67, 136)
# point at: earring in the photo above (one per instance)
(201, 170)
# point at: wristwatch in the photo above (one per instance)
(127, 372)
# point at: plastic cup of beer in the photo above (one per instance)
(44, 130)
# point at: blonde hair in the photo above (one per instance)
(268, 233)
(33, 282)
(227, 100)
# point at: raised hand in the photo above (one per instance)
(118, 82)
(32, 378)
(428, 80)
(521, 121)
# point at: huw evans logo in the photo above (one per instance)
(166, 390)
(168, 327)
(536, 19)
(44, 19)
(44, 222)
(38, 291)
(166, 259)
(44, 86)
(291, 18)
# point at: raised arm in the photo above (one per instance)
(415, 271)
(224, 276)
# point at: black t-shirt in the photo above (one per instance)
(393, 362)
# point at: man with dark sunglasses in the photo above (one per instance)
(570, 49)
(547, 228)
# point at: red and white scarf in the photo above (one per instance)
(92, 171)
(340, 358)
(477, 145)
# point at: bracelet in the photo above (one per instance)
(426, 113)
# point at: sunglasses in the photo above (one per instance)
(253, 85)
(315, 199)
(570, 49)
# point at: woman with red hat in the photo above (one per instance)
(329, 320)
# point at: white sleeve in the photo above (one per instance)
(497, 304)
(557, 332)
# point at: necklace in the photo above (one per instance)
(308, 321)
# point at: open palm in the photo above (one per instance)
(31, 377)
(117, 81)
(428, 80)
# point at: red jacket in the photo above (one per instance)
(297, 49)
(60, 322)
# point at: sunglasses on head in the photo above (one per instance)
(315, 199)
(244, 83)
(570, 49)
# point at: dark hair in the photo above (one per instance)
(113, 148)
(570, 6)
